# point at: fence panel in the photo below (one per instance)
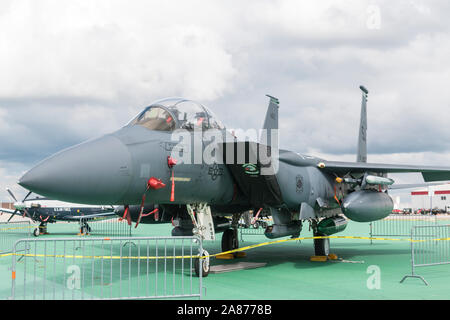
(106, 268)
(12, 231)
(399, 225)
(429, 247)
(105, 227)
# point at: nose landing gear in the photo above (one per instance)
(205, 266)
(204, 228)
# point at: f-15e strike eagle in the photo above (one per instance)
(176, 162)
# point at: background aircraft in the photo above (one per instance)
(43, 210)
(139, 168)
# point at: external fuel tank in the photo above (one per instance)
(367, 205)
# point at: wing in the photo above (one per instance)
(3, 210)
(429, 173)
(95, 216)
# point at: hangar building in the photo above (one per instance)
(436, 197)
(7, 205)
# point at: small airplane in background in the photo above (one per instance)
(43, 210)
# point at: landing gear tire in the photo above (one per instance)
(321, 246)
(36, 232)
(229, 240)
(205, 265)
(85, 229)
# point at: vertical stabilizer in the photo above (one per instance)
(271, 120)
(362, 137)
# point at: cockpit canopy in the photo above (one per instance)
(176, 113)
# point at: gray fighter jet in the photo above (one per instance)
(176, 162)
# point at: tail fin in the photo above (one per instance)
(271, 120)
(362, 138)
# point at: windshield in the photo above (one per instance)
(155, 118)
(176, 113)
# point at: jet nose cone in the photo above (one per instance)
(94, 172)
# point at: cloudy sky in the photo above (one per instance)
(73, 70)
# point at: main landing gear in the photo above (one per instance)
(230, 240)
(85, 229)
(41, 229)
(321, 245)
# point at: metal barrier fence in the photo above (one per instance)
(429, 247)
(105, 227)
(399, 225)
(103, 268)
(12, 231)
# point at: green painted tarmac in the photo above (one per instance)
(290, 275)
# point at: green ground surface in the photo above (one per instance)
(289, 273)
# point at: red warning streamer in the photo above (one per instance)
(150, 213)
(126, 215)
(152, 183)
(171, 162)
(257, 215)
(172, 192)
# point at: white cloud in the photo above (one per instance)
(95, 51)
